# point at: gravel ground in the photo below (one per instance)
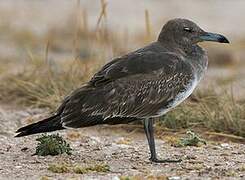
(123, 148)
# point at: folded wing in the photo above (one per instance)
(134, 86)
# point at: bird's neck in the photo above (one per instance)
(198, 59)
(194, 54)
(182, 47)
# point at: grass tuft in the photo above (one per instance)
(94, 168)
(218, 112)
(59, 168)
(148, 177)
(192, 139)
(52, 145)
(69, 168)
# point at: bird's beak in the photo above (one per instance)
(207, 36)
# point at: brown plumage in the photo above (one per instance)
(140, 85)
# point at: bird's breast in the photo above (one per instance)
(179, 97)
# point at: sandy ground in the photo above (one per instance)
(125, 150)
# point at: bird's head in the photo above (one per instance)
(186, 32)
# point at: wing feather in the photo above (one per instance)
(135, 86)
(132, 64)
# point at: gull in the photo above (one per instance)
(139, 86)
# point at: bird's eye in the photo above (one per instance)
(187, 29)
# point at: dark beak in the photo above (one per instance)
(214, 37)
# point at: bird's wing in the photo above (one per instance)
(132, 64)
(137, 85)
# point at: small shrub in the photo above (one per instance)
(52, 145)
(192, 139)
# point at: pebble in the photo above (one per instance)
(225, 145)
(174, 178)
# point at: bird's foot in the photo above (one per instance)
(156, 160)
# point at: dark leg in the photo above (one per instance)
(148, 126)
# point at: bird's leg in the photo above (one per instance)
(148, 127)
(150, 137)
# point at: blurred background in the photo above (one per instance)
(50, 47)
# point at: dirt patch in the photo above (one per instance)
(123, 148)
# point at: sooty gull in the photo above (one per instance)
(140, 85)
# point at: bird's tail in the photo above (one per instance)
(52, 123)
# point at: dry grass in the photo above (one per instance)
(215, 111)
(43, 85)
(43, 82)
(72, 168)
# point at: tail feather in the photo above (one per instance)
(52, 123)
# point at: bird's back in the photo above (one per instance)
(144, 83)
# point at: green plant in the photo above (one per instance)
(52, 145)
(192, 139)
